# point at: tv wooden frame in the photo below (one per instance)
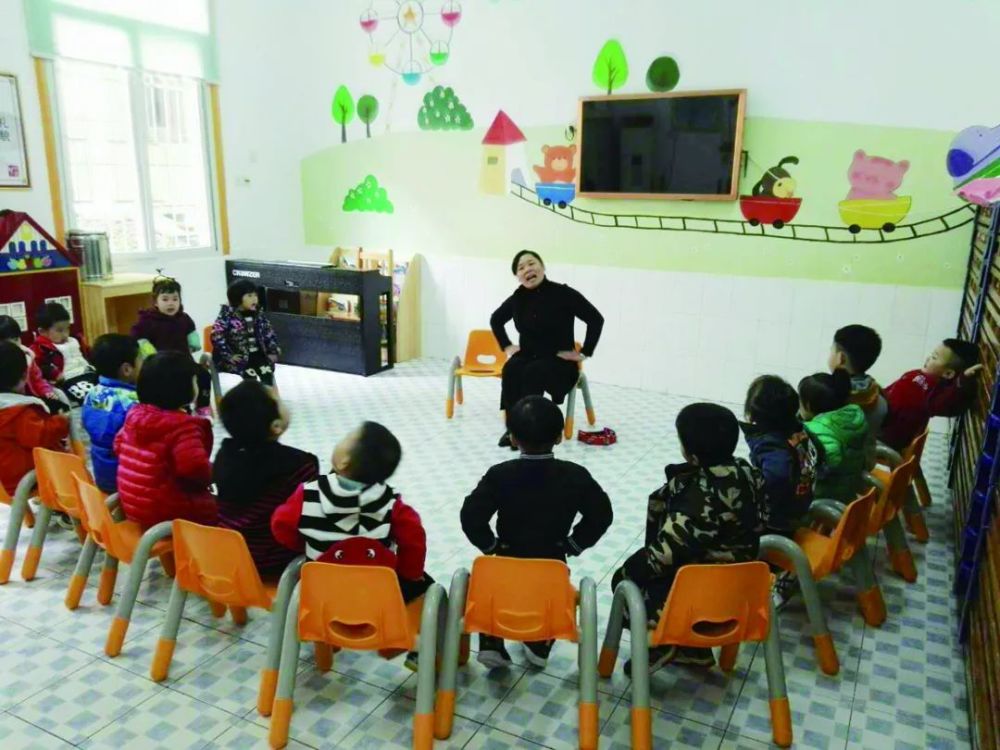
(734, 191)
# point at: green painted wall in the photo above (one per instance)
(432, 180)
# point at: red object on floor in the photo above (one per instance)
(606, 436)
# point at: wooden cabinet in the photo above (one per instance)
(112, 306)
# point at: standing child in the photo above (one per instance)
(536, 499)
(59, 356)
(709, 511)
(118, 360)
(36, 385)
(243, 342)
(166, 327)
(782, 450)
(25, 421)
(254, 473)
(164, 471)
(855, 349)
(944, 387)
(841, 432)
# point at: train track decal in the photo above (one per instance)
(947, 222)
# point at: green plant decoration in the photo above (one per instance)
(342, 110)
(611, 66)
(367, 112)
(442, 110)
(663, 74)
(368, 196)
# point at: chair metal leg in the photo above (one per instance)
(29, 568)
(826, 652)
(570, 412)
(18, 509)
(869, 595)
(279, 610)
(449, 403)
(781, 714)
(444, 709)
(628, 594)
(587, 401)
(78, 581)
(281, 713)
(923, 491)
(728, 655)
(899, 551)
(160, 667)
(324, 656)
(109, 575)
(913, 511)
(459, 392)
(589, 724)
(119, 626)
(435, 605)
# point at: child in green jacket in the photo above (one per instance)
(839, 429)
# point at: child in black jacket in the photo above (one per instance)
(535, 498)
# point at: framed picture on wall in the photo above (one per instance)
(13, 151)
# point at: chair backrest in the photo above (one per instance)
(849, 536)
(56, 487)
(522, 600)
(482, 352)
(915, 449)
(716, 605)
(5, 497)
(353, 606)
(96, 517)
(891, 501)
(215, 563)
(206, 339)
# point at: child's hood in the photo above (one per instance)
(12, 404)
(847, 423)
(864, 391)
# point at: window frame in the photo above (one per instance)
(151, 256)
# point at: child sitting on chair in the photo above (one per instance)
(36, 384)
(118, 360)
(254, 473)
(59, 356)
(536, 498)
(164, 471)
(841, 434)
(25, 421)
(944, 387)
(782, 451)
(243, 342)
(855, 349)
(165, 327)
(710, 511)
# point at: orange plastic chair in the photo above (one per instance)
(917, 494)
(582, 385)
(358, 607)
(916, 450)
(521, 600)
(708, 606)
(838, 540)
(118, 539)
(483, 359)
(895, 484)
(57, 493)
(215, 564)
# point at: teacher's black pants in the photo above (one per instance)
(525, 375)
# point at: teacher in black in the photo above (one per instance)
(544, 312)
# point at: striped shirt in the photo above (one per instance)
(333, 512)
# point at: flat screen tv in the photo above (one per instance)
(678, 145)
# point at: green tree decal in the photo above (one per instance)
(343, 110)
(367, 112)
(611, 67)
(442, 110)
(368, 196)
(663, 74)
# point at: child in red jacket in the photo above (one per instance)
(25, 422)
(355, 501)
(36, 384)
(942, 388)
(60, 357)
(164, 471)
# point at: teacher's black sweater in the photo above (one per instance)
(544, 318)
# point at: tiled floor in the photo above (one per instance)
(901, 686)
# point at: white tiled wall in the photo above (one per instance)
(695, 334)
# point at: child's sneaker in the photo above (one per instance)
(694, 657)
(785, 586)
(63, 521)
(412, 661)
(537, 653)
(659, 656)
(492, 653)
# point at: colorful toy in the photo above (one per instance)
(872, 202)
(409, 28)
(559, 193)
(771, 201)
(974, 163)
(35, 269)
(558, 164)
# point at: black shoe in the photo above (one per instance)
(659, 656)
(537, 652)
(412, 661)
(492, 653)
(504, 441)
(694, 657)
(785, 587)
